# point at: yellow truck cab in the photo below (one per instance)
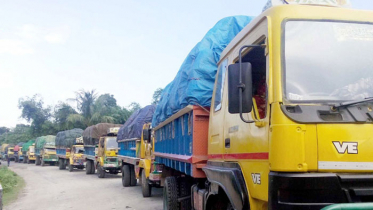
(20, 155)
(31, 154)
(294, 126)
(48, 155)
(107, 152)
(76, 159)
(3, 148)
(11, 153)
(145, 150)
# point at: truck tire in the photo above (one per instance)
(184, 191)
(126, 176)
(170, 194)
(60, 164)
(88, 169)
(93, 168)
(100, 172)
(133, 176)
(28, 161)
(71, 168)
(145, 186)
(37, 161)
(42, 163)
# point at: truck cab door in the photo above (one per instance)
(216, 146)
(248, 142)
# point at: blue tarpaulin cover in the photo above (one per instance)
(133, 126)
(194, 83)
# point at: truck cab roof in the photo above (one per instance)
(278, 15)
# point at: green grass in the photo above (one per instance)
(11, 183)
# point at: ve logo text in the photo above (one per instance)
(350, 147)
(256, 178)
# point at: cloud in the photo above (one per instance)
(57, 35)
(14, 47)
(26, 37)
(6, 80)
(28, 32)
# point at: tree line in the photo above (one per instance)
(91, 108)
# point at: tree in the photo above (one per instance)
(134, 106)
(21, 133)
(157, 96)
(93, 110)
(4, 130)
(85, 102)
(33, 111)
(61, 112)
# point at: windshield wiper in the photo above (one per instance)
(346, 104)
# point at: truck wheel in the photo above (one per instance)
(93, 169)
(145, 186)
(71, 168)
(126, 176)
(28, 161)
(184, 191)
(133, 176)
(60, 164)
(88, 169)
(170, 194)
(42, 163)
(37, 161)
(100, 172)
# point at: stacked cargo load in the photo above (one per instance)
(44, 141)
(26, 145)
(180, 121)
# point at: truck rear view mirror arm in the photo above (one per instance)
(240, 86)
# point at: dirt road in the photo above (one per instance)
(49, 188)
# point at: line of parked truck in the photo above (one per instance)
(234, 131)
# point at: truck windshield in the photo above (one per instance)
(111, 143)
(328, 61)
(79, 150)
(32, 149)
(49, 150)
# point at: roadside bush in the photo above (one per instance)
(8, 179)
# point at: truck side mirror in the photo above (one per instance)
(234, 87)
(146, 134)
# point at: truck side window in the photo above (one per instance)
(257, 59)
(220, 85)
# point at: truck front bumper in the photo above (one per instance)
(50, 160)
(317, 190)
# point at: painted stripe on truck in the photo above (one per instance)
(363, 166)
(248, 156)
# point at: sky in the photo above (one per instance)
(127, 48)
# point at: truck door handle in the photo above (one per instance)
(228, 143)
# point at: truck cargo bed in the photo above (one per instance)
(61, 152)
(90, 152)
(127, 150)
(181, 141)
